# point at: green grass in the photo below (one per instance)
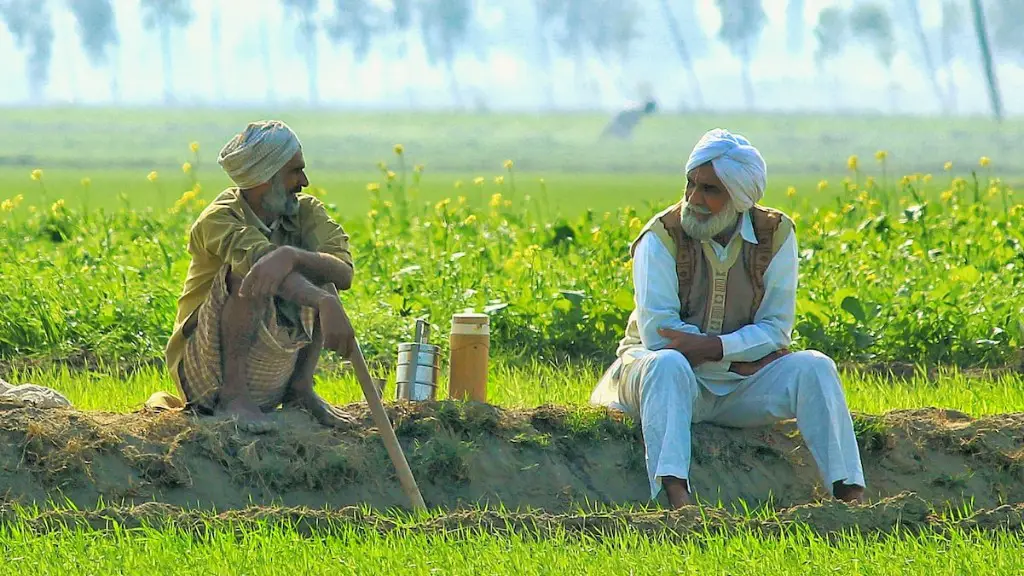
(282, 551)
(537, 384)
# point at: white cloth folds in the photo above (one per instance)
(738, 164)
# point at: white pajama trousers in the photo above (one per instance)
(662, 388)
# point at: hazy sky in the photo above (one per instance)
(499, 78)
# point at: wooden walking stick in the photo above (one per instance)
(380, 418)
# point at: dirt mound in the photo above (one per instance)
(470, 455)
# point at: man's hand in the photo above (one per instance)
(265, 277)
(697, 348)
(751, 368)
(337, 328)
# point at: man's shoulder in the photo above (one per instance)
(772, 223)
(312, 209)
(224, 205)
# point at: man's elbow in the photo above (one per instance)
(345, 281)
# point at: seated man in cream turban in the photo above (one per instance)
(260, 299)
(715, 279)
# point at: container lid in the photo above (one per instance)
(470, 318)
(410, 346)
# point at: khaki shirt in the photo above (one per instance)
(229, 232)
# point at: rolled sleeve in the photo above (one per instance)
(227, 237)
(324, 234)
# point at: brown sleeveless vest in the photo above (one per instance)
(689, 256)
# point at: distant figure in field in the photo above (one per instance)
(260, 299)
(625, 122)
(715, 279)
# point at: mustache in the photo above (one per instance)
(698, 209)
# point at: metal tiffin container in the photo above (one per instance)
(419, 365)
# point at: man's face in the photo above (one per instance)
(709, 209)
(705, 192)
(281, 199)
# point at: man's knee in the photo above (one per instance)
(669, 368)
(817, 373)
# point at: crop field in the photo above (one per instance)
(912, 279)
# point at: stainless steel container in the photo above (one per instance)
(419, 365)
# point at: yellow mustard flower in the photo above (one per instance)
(36, 175)
(496, 200)
(86, 182)
(635, 223)
(152, 176)
(399, 149)
(822, 185)
(6, 205)
(791, 191)
(984, 161)
(373, 187)
(479, 180)
(947, 166)
(391, 175)
(57, 206)
(458, 184)
(194, 147)
(508, 164)
(186, 167)
(852, 162)
(499, 180)
(470, 220)
(946, 195)
(926, 178)
(881, 155)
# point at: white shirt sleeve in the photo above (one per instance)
(656, 293)
(773, 322)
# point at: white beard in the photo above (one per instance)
(708, 229)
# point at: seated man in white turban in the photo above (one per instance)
(715, 279)
(260, 300)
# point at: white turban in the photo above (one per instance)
(254, 156)
(738, 164)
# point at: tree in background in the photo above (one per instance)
(743, 21)
(164, 16)
(926, 51)
(304, 12)
(795, 26)
(951, 33)
(605, 29)
(830, 35)
(215, 49)
(444, 25)
(981, 29)
(679, 41)
(870, 23)
(1008, 29)
(354, 23)
(29, 23)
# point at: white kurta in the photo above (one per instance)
(668, 395)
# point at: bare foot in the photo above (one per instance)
(678, 492)
(324, 413)
(247, 413)
(850, 493)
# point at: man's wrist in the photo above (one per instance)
(327, 299)
(712, 348)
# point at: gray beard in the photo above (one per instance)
(708, 229)
(278, 201)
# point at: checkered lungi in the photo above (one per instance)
(271, 359)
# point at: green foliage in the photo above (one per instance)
(166, 13)
(830, 33)
(886, 275)
(743, 21)
(871, 23)
(445, 26)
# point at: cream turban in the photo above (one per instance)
(738, 164)
(254, 156)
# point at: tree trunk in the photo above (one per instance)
(684, 53)
(308, 29)
(453, 83)
(748, 82)
(947, 64)
(165, 48)
(933, 74)
(986, 56)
